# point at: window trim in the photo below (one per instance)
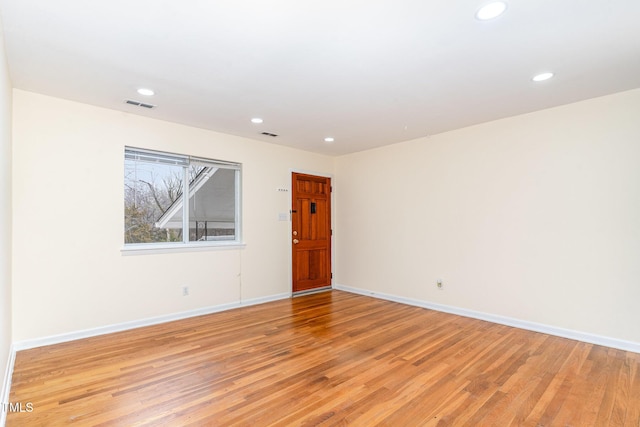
(147, 155)
(167, 248)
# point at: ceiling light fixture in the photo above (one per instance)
(491, 10)
(542, 77)
(329, 139)
(256, 120)
(146, 92)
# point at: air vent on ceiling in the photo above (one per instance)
(139, 104)
(273, 135)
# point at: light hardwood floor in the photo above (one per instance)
(331, 358)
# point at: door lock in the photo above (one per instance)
(295, 233)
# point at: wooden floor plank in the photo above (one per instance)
(331, 358)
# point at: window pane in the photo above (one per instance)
(212, 203)
(160, 188)
(152, 198)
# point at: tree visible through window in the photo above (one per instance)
(155, 210)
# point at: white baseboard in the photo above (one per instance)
(6, 385)
(503, 320)
(87, 333)
(262, 300)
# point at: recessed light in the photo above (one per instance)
(329, 139)
(256, 120)
(146, 92)
(542, 77)
(491, 10)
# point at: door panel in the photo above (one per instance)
(311, 227)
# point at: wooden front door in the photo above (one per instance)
(311, 231)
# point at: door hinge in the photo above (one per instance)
(332, 275)
(331, 189)
(331, 232)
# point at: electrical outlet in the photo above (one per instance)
(439, 283)
(185, 291)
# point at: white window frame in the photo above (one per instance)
(186, 244)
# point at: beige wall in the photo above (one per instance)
(534, 217)
(69, 273)
(5, 208)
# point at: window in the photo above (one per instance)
(155, 211)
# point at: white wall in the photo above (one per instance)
(5, 209)
(69, 273)
(534, 217)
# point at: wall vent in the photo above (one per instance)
(139, 104)
(273, 135)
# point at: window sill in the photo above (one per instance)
(149, 249)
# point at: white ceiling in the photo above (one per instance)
(369, 73)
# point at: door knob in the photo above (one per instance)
(296, 241)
